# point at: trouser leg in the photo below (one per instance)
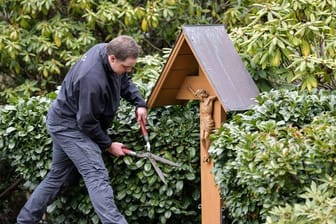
(61, 174)
(86, 156)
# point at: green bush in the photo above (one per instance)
(174, 134)
(285, 41)
(24, 150)
(265, 157)
(139, 193)
(317, 206)
(25, 140)
(11, 197)
(41, 39)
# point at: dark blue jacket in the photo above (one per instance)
(90, 95)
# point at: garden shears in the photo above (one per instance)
(152, 158)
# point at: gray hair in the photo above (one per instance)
(123, 47)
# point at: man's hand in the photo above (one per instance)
(116, 149)
(141, 115)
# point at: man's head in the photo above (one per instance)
(122, 53)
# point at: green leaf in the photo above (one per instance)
(147, 167)
(128, 160)
(10, 130)
(190, 176)
(179, 186)
(167, 214)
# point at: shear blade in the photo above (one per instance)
(157, 170)
(163, 160)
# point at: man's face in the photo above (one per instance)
(120, 67)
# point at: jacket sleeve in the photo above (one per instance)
(131, 93)
(90, 108)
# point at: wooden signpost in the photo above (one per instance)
(205, 66)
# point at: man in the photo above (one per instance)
(77, 121)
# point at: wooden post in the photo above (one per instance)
(212, 115)
(210, 197)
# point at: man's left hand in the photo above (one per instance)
(141, 115)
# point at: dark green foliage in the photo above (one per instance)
(23, 91)
(25, 150)
(174, 133)
(285, 41)
(11, 197)
(139, 193)
(266, 156)
(41, 39)
(317, 206)
(24, 137)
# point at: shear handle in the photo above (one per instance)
(144, 130)
(128, 151)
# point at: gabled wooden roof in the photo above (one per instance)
(205, 49)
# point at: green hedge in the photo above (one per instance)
(266, 156)
(139, 193)
(317, 206)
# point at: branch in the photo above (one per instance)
(10, 188)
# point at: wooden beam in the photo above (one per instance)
(185, 61)
(195, 82)
(155, 91)
(175, 79)
(210, 194)
(185, 49)
(167, 97)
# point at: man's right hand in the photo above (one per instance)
(116, 149)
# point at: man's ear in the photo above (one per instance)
(112, 58)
